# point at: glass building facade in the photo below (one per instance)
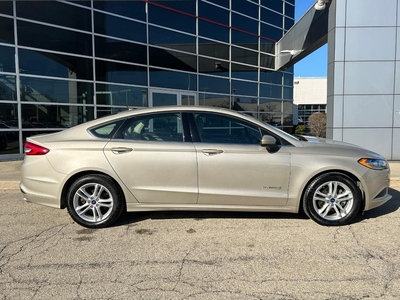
(63, 63)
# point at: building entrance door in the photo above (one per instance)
(160, 97)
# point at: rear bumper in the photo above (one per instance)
(40, 183)
(41, 199)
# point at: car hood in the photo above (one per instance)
(313, 139)
(337, 148)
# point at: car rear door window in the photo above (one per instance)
(164, 127)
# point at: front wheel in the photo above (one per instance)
(332, 199)
(93, 201)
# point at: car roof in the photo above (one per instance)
(81, 130)
(181, 108)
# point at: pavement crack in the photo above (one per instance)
(180, 270)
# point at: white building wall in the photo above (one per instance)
(363, 100)
(309, 90)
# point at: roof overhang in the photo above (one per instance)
(306, 36)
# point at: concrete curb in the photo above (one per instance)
(9, 185)
(394, 182)
(14, 185)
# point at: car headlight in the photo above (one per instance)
(375, 164)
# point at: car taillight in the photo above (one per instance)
(33, 149)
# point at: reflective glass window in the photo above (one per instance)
(6, 7)
(289, 10)
(213, 49)
(214, 100)
(288, 93)
(288, 23)
(274, 119)
(244, 72)
(8, 90)
(245, 88)
(131, 9)
(40, 36)
(106, 111)
(271, 17)
(162, 127)
(267, 62)
(160, 13)
(221, 129)
(41, 116)
(108, 94)
(7, 30)
(287, 107)
(55, 13)
(244, 56)
(8, 116)
(172, 60)
(288, 79)
(172, 79)
(213, 31)
(271, 32)
(275, 5)
(270, 111)
(213, 84)
(288, 120)
(56, 91)
(171, 39)
(52, 64)
(182, 6)
(7, 62)
(213, 66)
(267, 46)
(244, 39)
(268, 105)
(272, 91)
(244, 30)
(271, 77)
(160, 98)
(9, 140)
(80, 2)
(245, 7)
(120, 50)
(223, 3)
(213, 22)
(119, 27)
(213, 13)
(241, 103)
(120, 73)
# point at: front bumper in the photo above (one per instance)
(375, 185)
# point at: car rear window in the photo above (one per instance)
(106, 131)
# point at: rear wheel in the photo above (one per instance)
(332, 199)
(94, 201)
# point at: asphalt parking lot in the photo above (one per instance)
(188, 255)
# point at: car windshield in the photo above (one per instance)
(284, 133)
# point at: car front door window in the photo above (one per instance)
(213, 128)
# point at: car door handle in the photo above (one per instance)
(121, 150)
(209, 152)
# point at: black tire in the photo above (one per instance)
(332, 199)
(94, 201)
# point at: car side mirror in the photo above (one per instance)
(269, 142)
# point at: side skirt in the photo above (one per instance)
(131, 207)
